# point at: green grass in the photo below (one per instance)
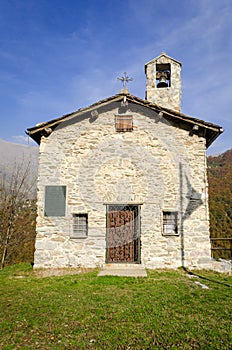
(166, 310)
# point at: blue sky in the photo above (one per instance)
(57, 56)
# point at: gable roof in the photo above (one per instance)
(165, 55)
(211, 131)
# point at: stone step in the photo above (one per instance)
(123, 266)
(128, 270)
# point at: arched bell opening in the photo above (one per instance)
(163, 74)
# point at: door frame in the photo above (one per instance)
(138, 224)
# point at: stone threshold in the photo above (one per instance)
(127, 270)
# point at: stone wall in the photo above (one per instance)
(156, 165)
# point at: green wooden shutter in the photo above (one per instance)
(55, 200)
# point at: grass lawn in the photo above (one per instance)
(166, 310)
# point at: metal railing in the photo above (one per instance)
(221, 248)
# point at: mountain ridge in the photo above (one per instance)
(13, 155)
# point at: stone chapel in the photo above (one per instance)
(124, 181)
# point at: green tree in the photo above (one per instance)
(220, 202)
(17, 216)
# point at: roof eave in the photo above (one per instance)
(35, 131)
(213, 130)
(213, 137)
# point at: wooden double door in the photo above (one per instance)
(123, 234)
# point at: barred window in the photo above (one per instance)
(170, 226)
(80, 226)
(124, 122)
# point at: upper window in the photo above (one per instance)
(55, 200)
(170, 226)
(80, 226)
(124, 122)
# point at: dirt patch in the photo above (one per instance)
(60, 272)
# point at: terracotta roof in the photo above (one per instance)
(212, 131)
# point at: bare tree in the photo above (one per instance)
(17, 213)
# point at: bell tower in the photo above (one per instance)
(163, 82)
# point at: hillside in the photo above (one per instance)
(13, 154)
(220, 199)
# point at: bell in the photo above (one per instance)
(162, 82)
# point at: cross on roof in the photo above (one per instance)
(125, 79)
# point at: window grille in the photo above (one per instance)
(80, 226)
(124, 122)
(170, 226)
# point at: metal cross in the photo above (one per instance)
(125, 79)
